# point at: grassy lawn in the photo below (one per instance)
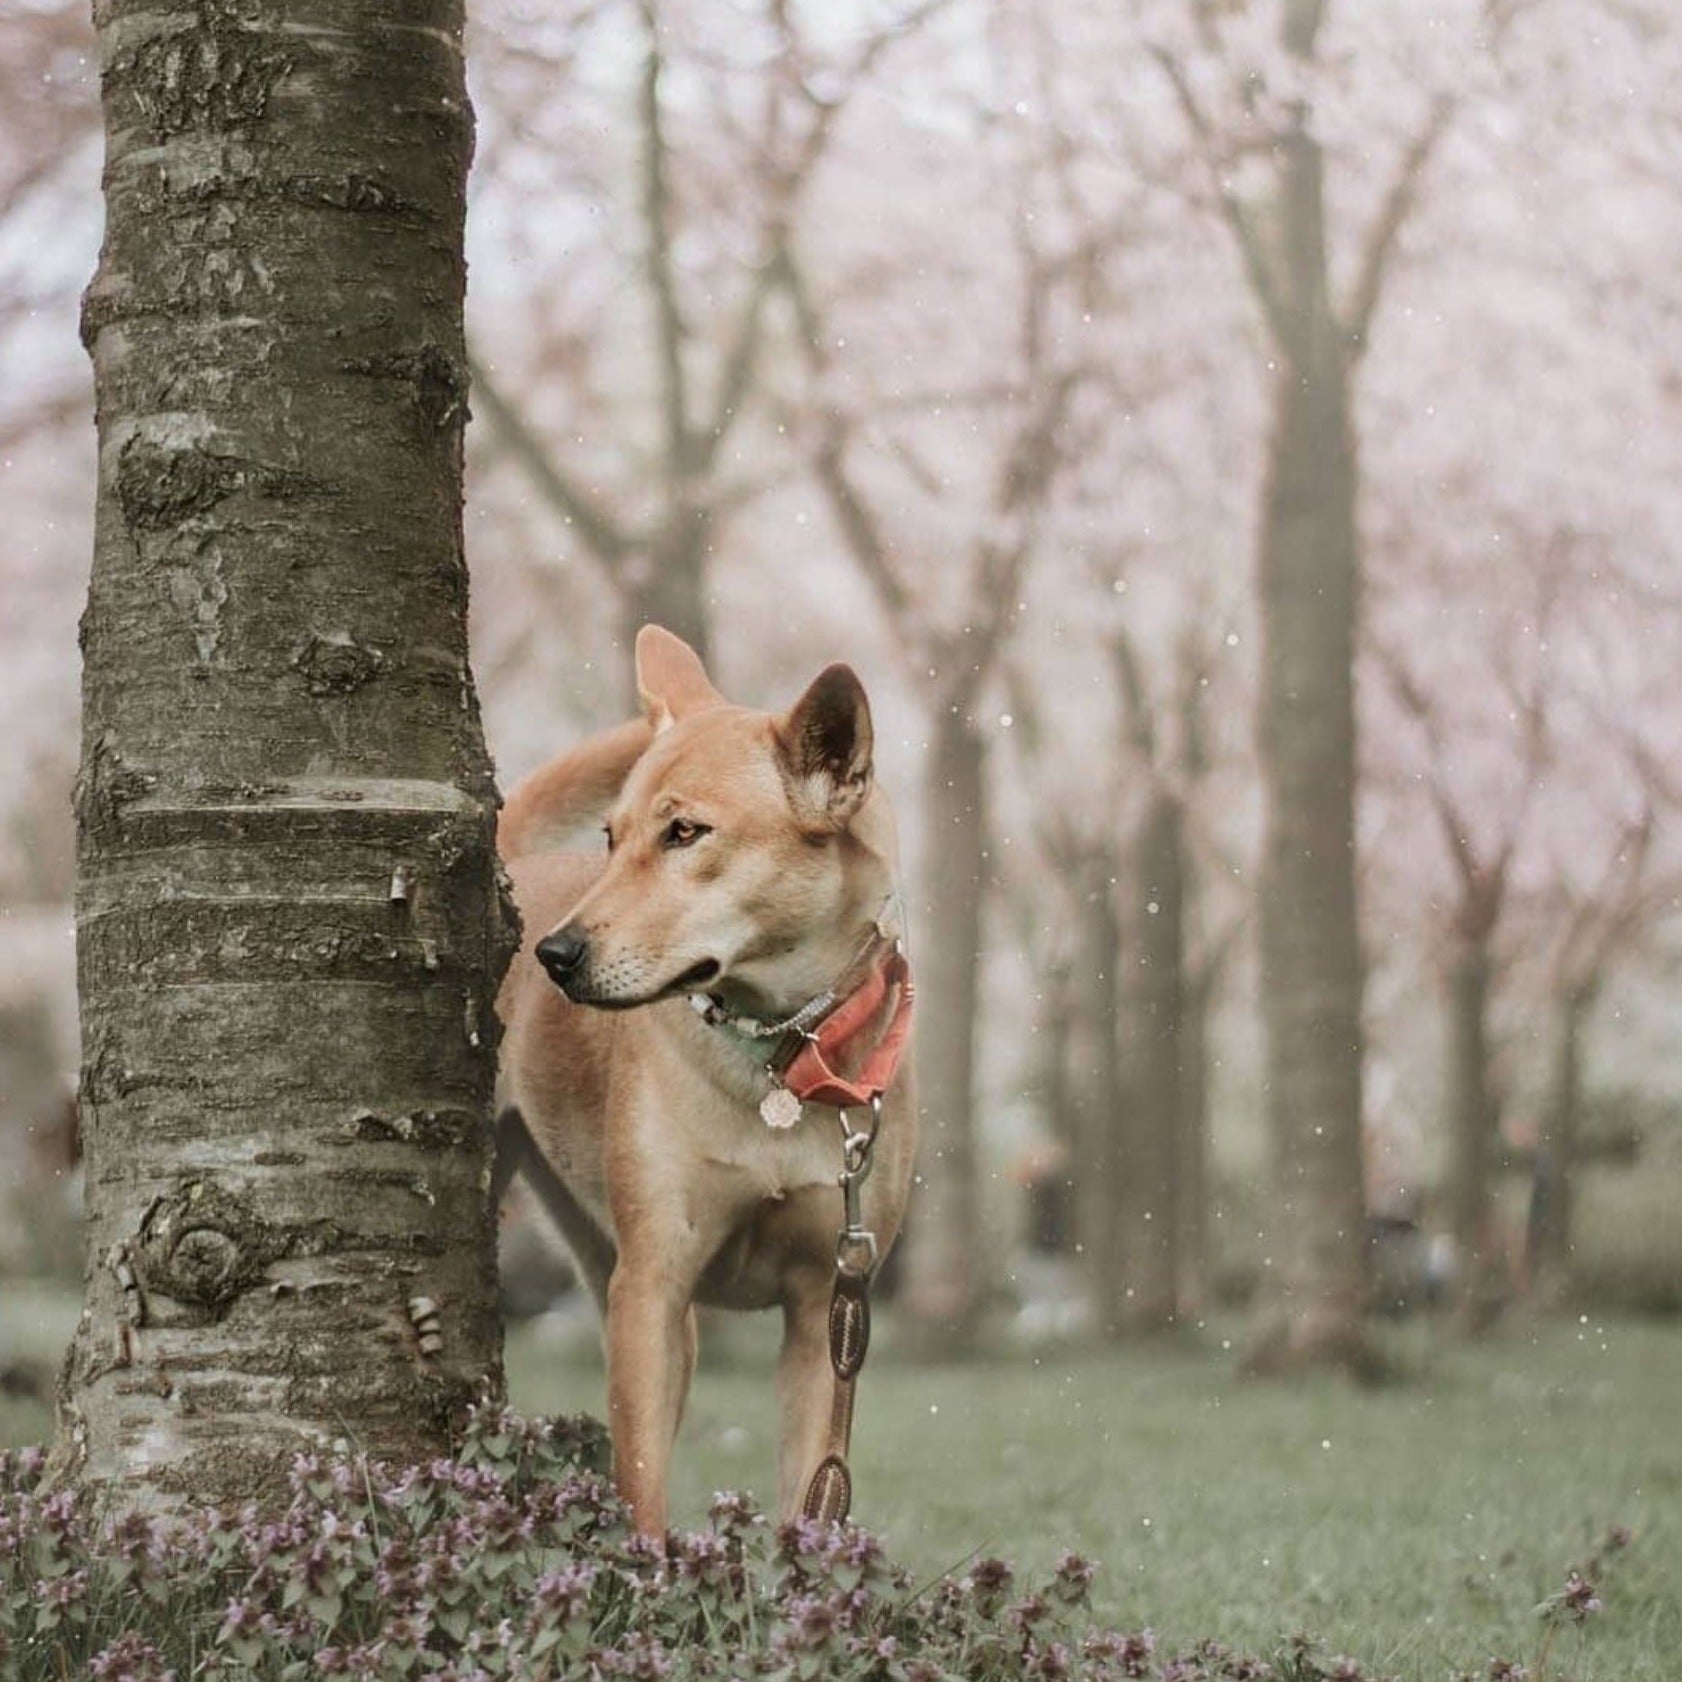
(1415, 1528)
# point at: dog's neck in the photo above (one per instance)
(764, 1028)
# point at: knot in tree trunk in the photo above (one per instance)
(201, 1246)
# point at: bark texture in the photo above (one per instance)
(1559, 1146)
(943, 1279)
(668, 584)
(290, 929)
(1054, 1086)
(1310, 955)
(1100, 1087)
(1201, 956)
(1154, 1019)
(1192, 1142)
(1472, 1120)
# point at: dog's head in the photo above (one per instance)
(746, 852)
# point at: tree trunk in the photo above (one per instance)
(1153, 1001)
(943, 1262)
(1557, 1150)
(1049, 1188)
(290, 934)
(1199, 977)
(1058, 1101)
(1471, 1127)
(1192, 1174)
(1311, 1307)
(666, 584)
(1101, 1198)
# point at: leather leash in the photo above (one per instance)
(818, 1034)
(811, 1078)
(829, 1495)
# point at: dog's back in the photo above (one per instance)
(557, 799)
(555, 1056)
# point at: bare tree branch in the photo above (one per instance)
(657, 250)
(1138, 722)
(1258, 264)
(1451, 817)
(741, 362)
(1604, 916)
(607, 539)
(44, 415)
(782, 188)
(866, 540)
(1397, 206)
(1300, 25)
(860, 528)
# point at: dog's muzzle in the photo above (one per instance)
(562, 954)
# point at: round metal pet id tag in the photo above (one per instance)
(779, 1108)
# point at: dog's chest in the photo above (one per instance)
(783, 1183)
(778, 1161)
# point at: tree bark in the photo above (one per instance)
(1311, 1309)
(1054, 1084)
(1558, 1147)
(290, 931)
(1192, 1173)
(1471, 1127)
(943, 1262)
(1100, 1082)
(1199, 977)
(667, 583)
(1153, 999)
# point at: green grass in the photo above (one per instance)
(1415, 1528)
(36, 1321)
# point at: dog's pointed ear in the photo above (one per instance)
(824, 744)
(671, 681)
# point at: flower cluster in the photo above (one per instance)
(1576, 1601)
(511, 1559)
(515, 1560)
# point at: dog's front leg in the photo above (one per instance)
(805, 1386)
(650, 1354)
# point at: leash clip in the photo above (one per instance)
(855, 1244)
(855, 1252)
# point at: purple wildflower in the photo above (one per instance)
(1126, 1655)
(130, 1658)
(565, 1594)
(1578, 1597)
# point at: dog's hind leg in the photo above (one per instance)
(510, 1149)
(691, 1352)
(517, 1153)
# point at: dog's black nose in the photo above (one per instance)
(563, 951)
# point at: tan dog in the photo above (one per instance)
(749, 860)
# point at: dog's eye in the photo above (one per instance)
(684, 832)
(607, 831)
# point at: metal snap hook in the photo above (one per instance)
(855, 1252)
